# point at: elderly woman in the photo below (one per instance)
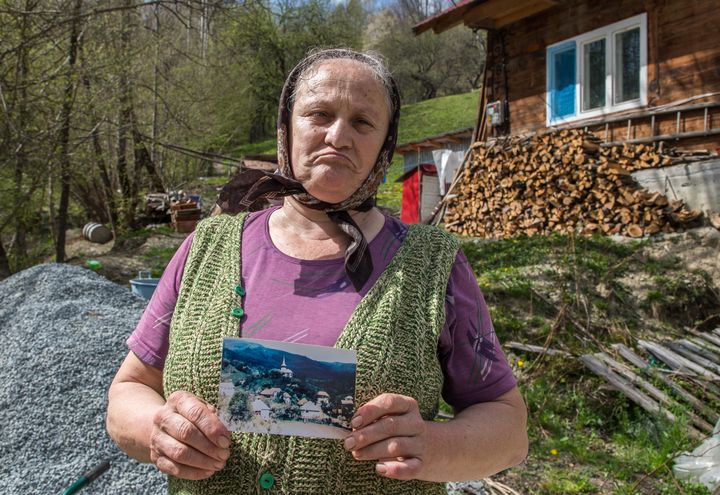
(325, 268)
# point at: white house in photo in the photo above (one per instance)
(270, 393)
(347, 401)
(286, 398)
(323, 398)
(261, 409)
(310, 410)
(285, 371)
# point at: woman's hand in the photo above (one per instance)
(389, 428)
(188, 440)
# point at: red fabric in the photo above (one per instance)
(410, 210)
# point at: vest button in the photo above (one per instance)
(267, 480)
(239, 290)
(238, 312)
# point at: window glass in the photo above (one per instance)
(563, 87)
(627, 65)
(593, 75)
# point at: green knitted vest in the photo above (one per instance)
(394, 330)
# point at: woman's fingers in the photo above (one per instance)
(188, 439)
(406, 425)
(183, 454)
(391, 448)
(389, 428)
(199, 414)
(383, 405)
(401, 469)
(172, 468)
(178, 427)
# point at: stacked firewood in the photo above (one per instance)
(560, 182)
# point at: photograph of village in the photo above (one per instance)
(286, 389)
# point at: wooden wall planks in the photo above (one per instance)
(683, 59)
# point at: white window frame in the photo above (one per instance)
(608, 33)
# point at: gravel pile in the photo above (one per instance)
(62, 335)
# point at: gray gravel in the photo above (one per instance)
(63, 331)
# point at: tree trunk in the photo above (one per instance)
(108, 192)
(19, 247)
(65, 115)
(144, 160)
(4, 264)
(124, 122)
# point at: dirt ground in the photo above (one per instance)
(118, 265)
(696, 249)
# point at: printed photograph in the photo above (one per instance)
(286, 389)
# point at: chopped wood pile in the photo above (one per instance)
(561, 182)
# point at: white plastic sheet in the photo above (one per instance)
(446, 162)
(702, 465)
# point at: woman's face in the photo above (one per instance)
(338, 125)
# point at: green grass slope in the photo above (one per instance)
(439, 115)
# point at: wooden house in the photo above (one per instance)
(637, 71)
(421, 189)
(641, 74)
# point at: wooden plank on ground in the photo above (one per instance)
(676, 361)
(652, 390)
(710, 337)
(710, 390)
(633, 377)
(699, 405)
(704, 344)
(695, 358)
(536, 348)
(702, 351)
(624, 386)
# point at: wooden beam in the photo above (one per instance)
(702, 351)
(494, 9)
(486, 24)
(651, 389)
(450, 139)
(704, 344)
(679, 390)
(448, 21)
(686, 353)
(677, 361)
(526, 12)
(713, 339)
(638, 397)
(537, 348)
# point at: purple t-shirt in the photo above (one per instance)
(285, 295)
